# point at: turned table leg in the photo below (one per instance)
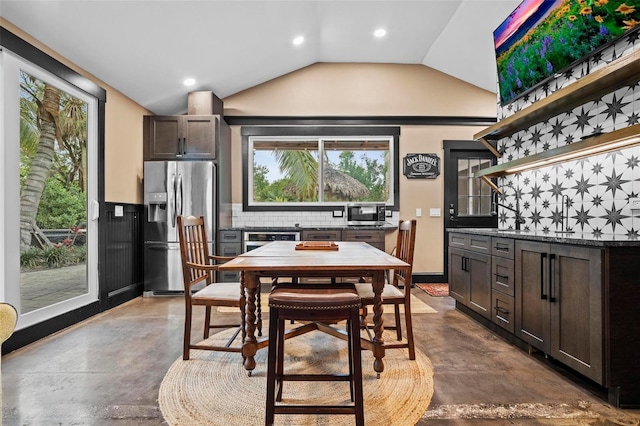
(249, 347)
(378, 326)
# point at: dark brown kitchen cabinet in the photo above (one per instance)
(470, 272)
(374, 237)
(322, 235)
(229, 244)
(502, 283)
(559, 303)
(180, 137)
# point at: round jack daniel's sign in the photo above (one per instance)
(421, 166)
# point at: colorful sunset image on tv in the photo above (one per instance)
(542, 38)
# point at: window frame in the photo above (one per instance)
(250, 132)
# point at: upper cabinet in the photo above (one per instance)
(180, 137)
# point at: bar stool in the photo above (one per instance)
(315, 304)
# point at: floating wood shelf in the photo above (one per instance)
(619, 73)
(618, 139)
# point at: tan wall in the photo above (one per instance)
(376, 90)
(123, 133)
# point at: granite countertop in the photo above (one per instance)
(576, 238)
(386, 227)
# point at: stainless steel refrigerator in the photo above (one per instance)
(173, 188)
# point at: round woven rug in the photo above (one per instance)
(213, 388)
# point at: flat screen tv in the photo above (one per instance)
(542, 38)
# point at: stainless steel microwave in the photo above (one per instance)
(370, 214)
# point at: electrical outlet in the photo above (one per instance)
(634, 203)
(418, 212)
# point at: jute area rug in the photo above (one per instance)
(213, 388)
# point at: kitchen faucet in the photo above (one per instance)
(519, 218)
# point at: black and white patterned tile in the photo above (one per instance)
(598, 188)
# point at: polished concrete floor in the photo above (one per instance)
(107, 371)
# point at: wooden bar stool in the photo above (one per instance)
(315, 304)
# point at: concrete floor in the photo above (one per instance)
(107, 371)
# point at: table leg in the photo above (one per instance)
(378, 326)
(249, 348)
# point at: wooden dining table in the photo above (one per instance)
(281, 259)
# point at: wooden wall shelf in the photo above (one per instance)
(619, 73)
(618, 139)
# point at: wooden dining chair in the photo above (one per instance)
(199, 268)
(397, 291)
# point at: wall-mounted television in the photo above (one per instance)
(542, 38)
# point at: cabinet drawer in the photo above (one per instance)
(228, 276)
(502, 272)
(502, 247)
(363, 235)
(229, 236)
(229, 249)
(502, 311)
(328, 235)
(476, 243)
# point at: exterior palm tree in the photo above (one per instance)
(47, 118)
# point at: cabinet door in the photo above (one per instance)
(458, 276)
(373, 237)
(162, 137)
(198, 134)
(533, 324)
(575, 297)
(479, 269)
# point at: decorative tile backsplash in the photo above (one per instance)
(304, 219)
(598, 188)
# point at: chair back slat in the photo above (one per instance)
(405, 244)
(192, 235)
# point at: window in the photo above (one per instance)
(293, 168)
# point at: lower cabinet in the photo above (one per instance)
(375, 237)
(470, 277)
(559, 303)
(229, 244)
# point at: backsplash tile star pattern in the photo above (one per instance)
(589, 195)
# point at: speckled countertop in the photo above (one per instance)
(576, 238)
(387, 227)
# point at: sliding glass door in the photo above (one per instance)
(49, 187)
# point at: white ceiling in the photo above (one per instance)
(145, 49)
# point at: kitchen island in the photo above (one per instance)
(572, 296)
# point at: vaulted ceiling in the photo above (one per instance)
(146, 49)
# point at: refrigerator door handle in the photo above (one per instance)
(175, 202)
(179, 199)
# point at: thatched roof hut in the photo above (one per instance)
(343, 185)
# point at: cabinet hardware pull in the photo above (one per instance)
(500, 310)
(179, 146)
(184, 146)
(501, 276)
(552, 264)
(543, 258)
(501, 248)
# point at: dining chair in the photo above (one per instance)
(397, 291)
(198, 270)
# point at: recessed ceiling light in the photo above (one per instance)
(298, 41)
(189, 82)
(380, 32)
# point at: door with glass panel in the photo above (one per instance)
(467, 199)
(51, 134)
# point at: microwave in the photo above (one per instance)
(370, 214)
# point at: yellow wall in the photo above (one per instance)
(376, 90)
(123, 133)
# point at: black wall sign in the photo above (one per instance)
(421, 166)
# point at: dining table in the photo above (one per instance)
(297, 260)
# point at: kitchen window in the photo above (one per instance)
(305, 168)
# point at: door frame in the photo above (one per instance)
(31, 54)
(450, 183)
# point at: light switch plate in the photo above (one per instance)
(634, 203)
(119, 211)
(418, 212)
(434, 212)
(338, 213)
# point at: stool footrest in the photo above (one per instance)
(314, 409)
(315, 377)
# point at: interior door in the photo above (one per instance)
(467, 199)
